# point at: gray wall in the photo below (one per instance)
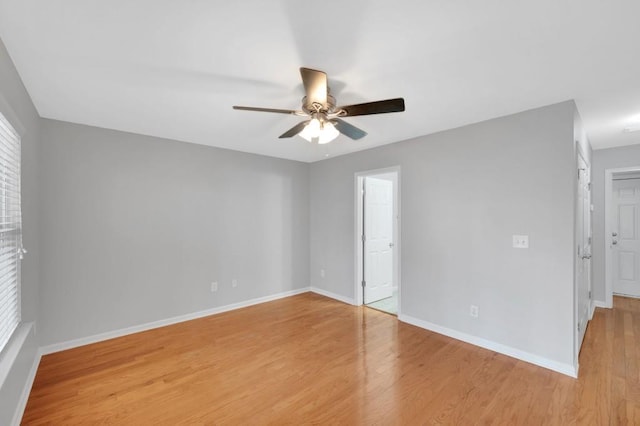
(135, 228)
(17, 106)
(611, 158)
(464, 193)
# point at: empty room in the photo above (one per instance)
(355, 212)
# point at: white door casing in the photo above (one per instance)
(626, 237)
(583, 261)
(378, 239)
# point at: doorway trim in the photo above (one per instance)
(358, 209)
(580, 330)
(608, 200)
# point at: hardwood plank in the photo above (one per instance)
(309, 359)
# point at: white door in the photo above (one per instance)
(626, 237)
(583, 262)
(378, 239)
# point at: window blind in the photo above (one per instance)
(10, 230)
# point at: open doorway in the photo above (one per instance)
(622, 233)
(377, 240)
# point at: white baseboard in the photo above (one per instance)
(629, 296)
(566, 369)
(57, 347)
(601, 304)
(331, 295)
(24, 397)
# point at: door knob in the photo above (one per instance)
(614, 234)
(614, 242)
(586, 256)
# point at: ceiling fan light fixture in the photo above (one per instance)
(328, 133)
(312, 130)
(319, 131)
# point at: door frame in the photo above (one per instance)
(359, 208)
(608, 201)
(581, 158)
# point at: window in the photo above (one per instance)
(10, 230)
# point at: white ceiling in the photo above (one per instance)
(174, 68)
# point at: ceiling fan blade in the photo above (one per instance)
(279, 111)
(348, 129)
(378, 107)
(294, 130)
(315, 85)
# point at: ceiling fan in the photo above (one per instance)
(325, 123)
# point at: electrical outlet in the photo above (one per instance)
(321, 273)
(521, 241)
(474, 311)
(234, 283)
(214, 287)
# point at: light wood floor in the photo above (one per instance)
(309, 359)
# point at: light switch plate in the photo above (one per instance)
(520, 241)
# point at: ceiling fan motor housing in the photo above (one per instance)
(311, 107)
